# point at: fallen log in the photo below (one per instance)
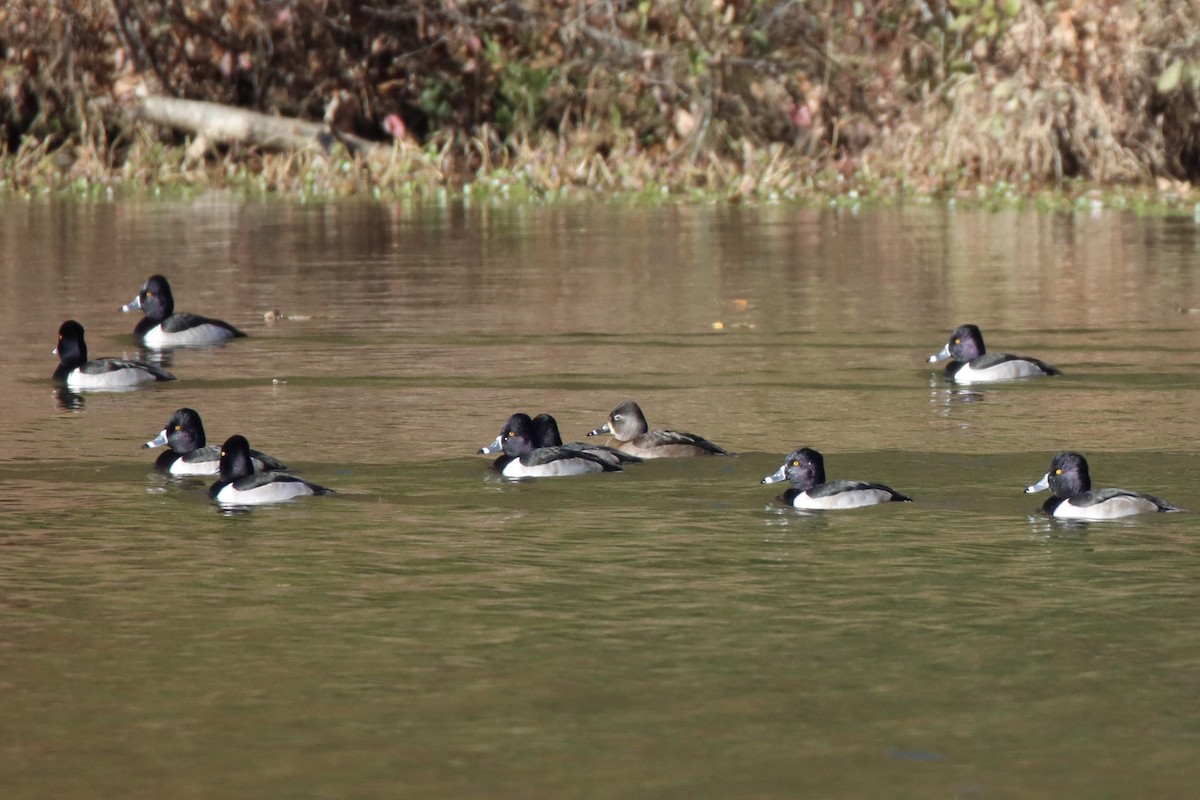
(229, 124)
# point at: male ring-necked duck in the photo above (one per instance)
(240, 485)
(162, 327)
(1074, 497)
(188, 453)
(804, 468)
(77, 372)
(971, 363)
(523, 458)
(627, 425)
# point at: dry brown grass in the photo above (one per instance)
(704, 99)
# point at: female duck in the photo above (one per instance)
(632, 434)
(1074, 497)
(162, 327)
(240, 485)
(524, 458)
(188, 453)
(971, 363)
(76, 372)
(805, 469)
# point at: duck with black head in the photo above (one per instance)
(1074, 497)
(189, 454)
(524, 457)
(240, 485)
(161, 326)
(804, 469)
(970, 362)
(76, 371)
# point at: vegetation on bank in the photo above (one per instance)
(756, 100)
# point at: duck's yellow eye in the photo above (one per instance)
(178, 427)
(149, 294)
(795, 463)
(222, 454)
(510, 433)
(958, 341)
(1058, 472)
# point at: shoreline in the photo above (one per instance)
(547, 175)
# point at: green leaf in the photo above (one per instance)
(959, 24)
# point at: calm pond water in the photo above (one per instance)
(668, 632)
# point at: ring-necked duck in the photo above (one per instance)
(240, 485)
(523, 458)
(971, 363)
(76, 372)
(162, 327)
(804, 468)
(627, 425)
(188, 453)
(1074, 497)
